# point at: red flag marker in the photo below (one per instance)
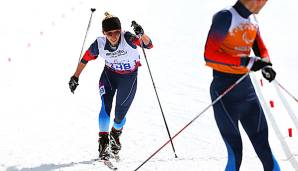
(271, 103)
(261, 81)
(290, 132)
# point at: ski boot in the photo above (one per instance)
(103, 147)
(115, 141)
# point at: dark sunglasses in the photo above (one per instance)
(111, 33)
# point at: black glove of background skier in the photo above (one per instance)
(258, 63)
(73, 83)
(137, 28)
(268, 73)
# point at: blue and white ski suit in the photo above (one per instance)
(119, 74)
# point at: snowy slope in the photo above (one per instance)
(45, 127)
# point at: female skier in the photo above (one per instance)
(119, 50)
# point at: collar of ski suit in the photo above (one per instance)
(242, 10)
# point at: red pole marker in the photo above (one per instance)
(271, 103)
(290, 132)
(261, 81)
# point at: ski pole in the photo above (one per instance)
(134, 24)
(286, 104)
(89, 23)
(197, 116)
(275, 81)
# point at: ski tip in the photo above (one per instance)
(109, 164)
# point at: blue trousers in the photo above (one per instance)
(241, 104)
(126, 86)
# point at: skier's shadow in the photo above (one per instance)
(49, 167)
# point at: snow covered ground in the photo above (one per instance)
(44, 127)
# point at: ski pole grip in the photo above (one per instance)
(137, 28)
(93, 9)
(134, 24)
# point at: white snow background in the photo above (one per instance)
(44, 127)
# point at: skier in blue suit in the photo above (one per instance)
(119, 50)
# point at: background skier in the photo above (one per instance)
(233, 33)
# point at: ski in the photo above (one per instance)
(109, 164)
(116, 157)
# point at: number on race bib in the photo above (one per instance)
(118, 67)
(121, 66)
(126, 66)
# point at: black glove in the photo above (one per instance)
(73, 83)
(258, 63)
(268, 73)
(137, 28)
